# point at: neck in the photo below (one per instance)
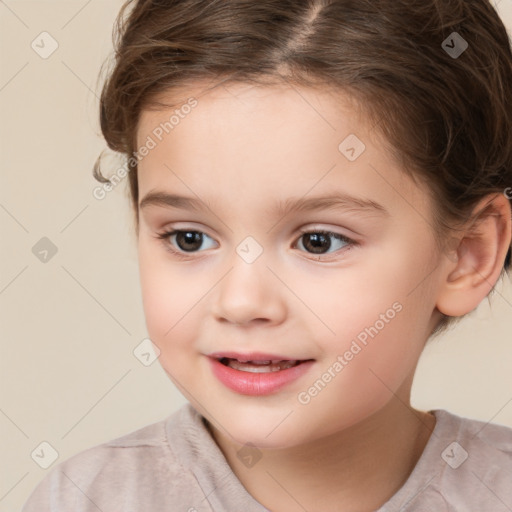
(337, 471)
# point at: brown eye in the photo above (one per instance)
(320, 242)
(316, 243)
(184, 241)
(189, 241)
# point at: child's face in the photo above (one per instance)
(361, 310)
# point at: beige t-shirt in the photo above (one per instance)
(176, 466)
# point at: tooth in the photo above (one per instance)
(261, 366)
(253, 369)
(263, 369)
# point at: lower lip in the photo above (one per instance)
(256, 384)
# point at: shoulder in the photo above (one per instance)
(480, 440)
(121, 469)
(470, 463)
(465, 466)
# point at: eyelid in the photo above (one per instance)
(318, 228)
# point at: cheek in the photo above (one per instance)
(349, 302)
(170, 295)
(362, 372)
(380, 317)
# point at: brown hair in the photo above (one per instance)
(446, 115)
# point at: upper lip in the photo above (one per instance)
(253, 356)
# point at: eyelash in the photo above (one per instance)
(187, 256)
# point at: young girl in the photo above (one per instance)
(319, 186)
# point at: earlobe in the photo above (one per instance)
(475, 265)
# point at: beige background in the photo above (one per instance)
(69, 326)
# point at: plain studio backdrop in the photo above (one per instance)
(72, 319)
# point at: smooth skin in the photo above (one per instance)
(241, 152)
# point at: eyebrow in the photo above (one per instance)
(282, 208)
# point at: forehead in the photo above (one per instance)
(272, 142)
(318, 108)
(243, 122)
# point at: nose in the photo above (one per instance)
(249, 294)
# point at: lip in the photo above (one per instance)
(253, 356)
(256, 384)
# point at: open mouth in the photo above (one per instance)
(257, 374)
(259, 366)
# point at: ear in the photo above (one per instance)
(476, 259)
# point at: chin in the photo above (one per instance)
(262, 440)
(267, 432)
